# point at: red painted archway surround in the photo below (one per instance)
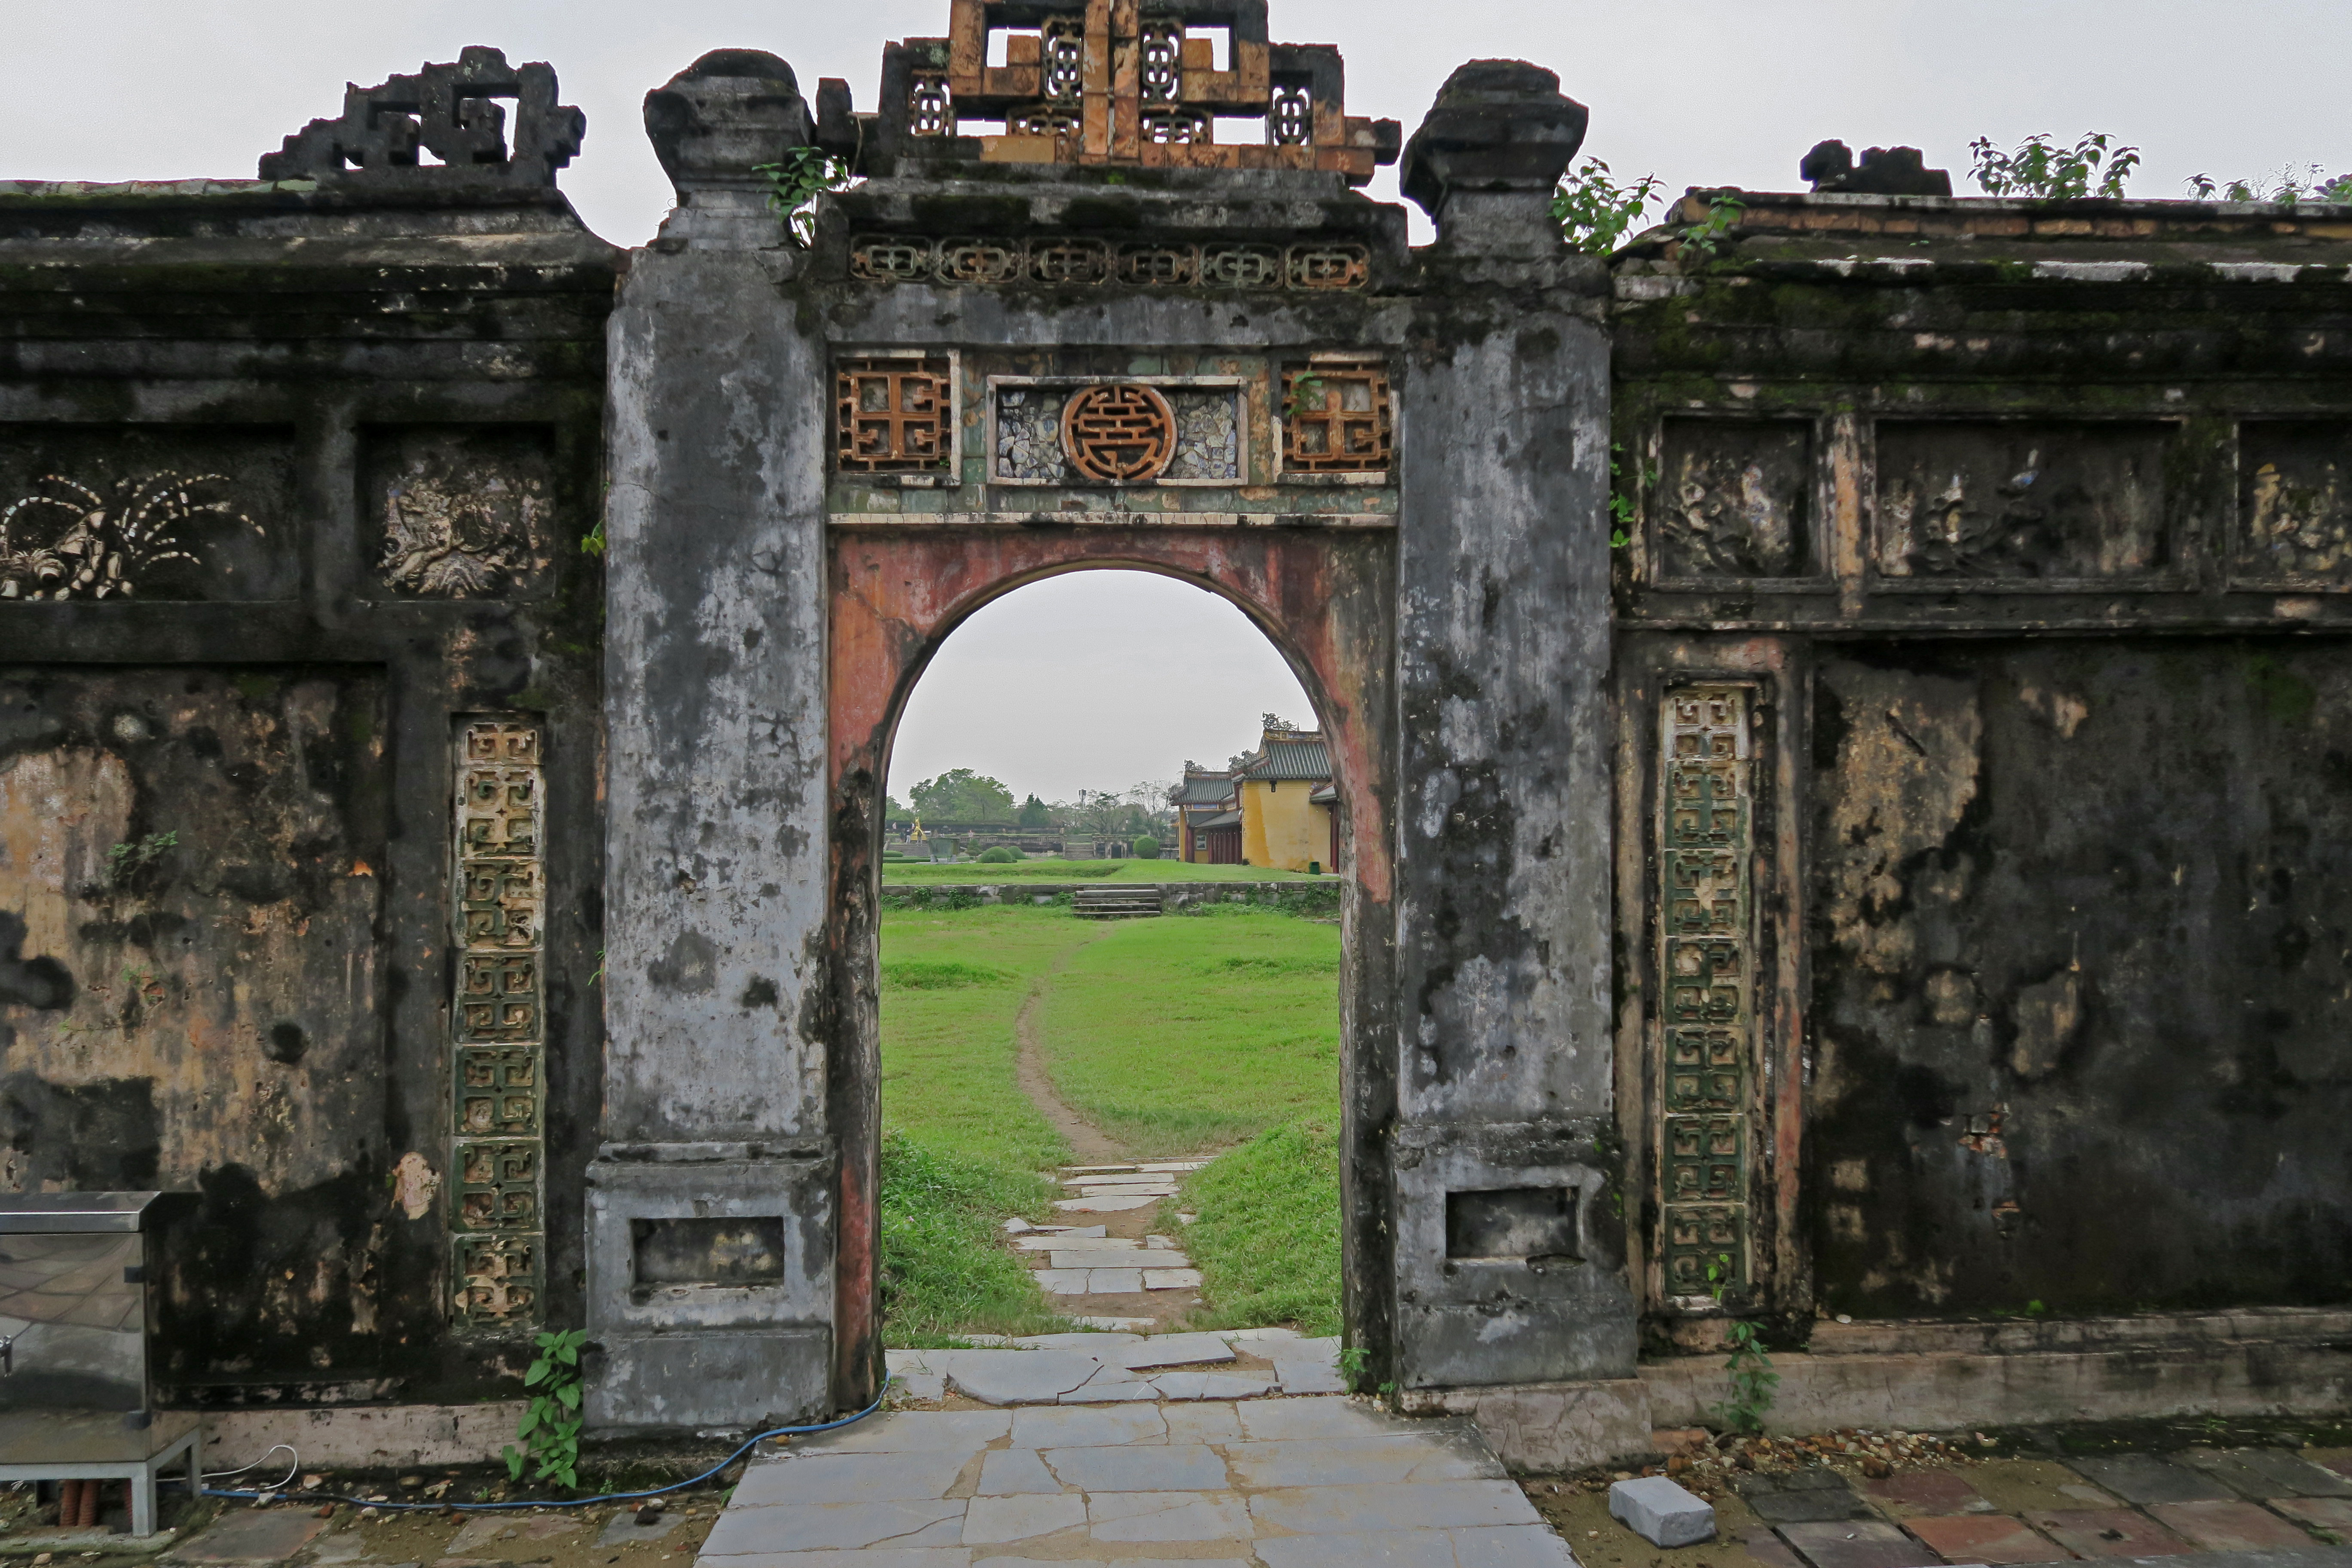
(1325, 597)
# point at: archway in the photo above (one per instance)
(1323, 596)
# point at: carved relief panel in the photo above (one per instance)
(1188, 431)
(2051, 500)
(1707, 957)
(2295, 503)
(499, 1050)
(1733, 499)
(896, 414)
(1337, 419)
(460, 513)
(146, 514)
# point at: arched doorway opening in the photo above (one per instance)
(1322, 597)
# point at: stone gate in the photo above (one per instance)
(1839, 712)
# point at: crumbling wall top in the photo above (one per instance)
(452, 112)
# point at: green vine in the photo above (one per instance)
(1713, 232)
(1752, 1381)
(1594, 212)
(127, 861)
(794, 185)
(550, 1430)
(1622, 509)
(2051, 172)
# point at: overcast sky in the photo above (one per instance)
(1113, 678)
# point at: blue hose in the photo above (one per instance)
(573, 1502)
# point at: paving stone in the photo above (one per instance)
(991, 1520)
(2149, 1478)
(849, 1477)
(1817, 1496)
(1115, 1281)
(1309, 1377)
(1342, 1461)
(1990, 1538)
(1063, 1281)
(923, 1385)
(2268, 1472)
(1063, 1427)
(1246, 1335)
(1175, 1350)
(2341, 1464)
(1937, 1492)
(1387, 1549)
(1101, 1205)
(1287, 1419)
(906, 1431)
(2108, 1533)
(1160, 1243)
(254, 1535)
(1112, 1562)
(1098, 1257)
(1010, 1472)
(1244, 1384)
(913, 1521)
(1140, 1467)
(1661, 1511)
(1178, 1166)
(1097, 1170)
(1770, 1550)
(1019, 1377)
(1111, 1372)
(1113, 1392)
(1136, 1516)
(1417, 1505)
(1171, 1279)
(2320, 1512)
(2230, 1526)
(1208, 1421)
(1856, 1543)
(871, 1557)
(479, 1530)
(1115, 1324)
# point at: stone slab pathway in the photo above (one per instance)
(1279, 1483)
(1122, 1368)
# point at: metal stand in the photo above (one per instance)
(111, 1454)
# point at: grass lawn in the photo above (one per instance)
(1087, 871)
(1185, 1033)
(962, 1145)
(1174, 1036)
(1267, 1242)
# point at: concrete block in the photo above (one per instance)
(1661, 1513)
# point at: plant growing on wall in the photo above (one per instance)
(549, 1428)
(1595, 211)
(2288, 187)
(1752, 1381)
(794, 185)
(2092, 166)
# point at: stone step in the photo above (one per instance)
(1116, 903)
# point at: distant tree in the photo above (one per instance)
(895, 810)
(1277, 721)
(960, 794)
(1035, 817)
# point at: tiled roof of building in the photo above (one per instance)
(1227, 819)
(1204, 789)
(1327, 796)
(1303, 757)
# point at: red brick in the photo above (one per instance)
(2229, 1526)
(1857, 1543)
(1983, 1538)
(2108, 1533)
(2320, 1512)
(1931, 1491)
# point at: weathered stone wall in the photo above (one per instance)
(1993, 965)
(292, 486)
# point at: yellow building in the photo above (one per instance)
(1287, 803)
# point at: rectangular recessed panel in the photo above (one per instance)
(1732, 499)
(747, 1250)
(2031, 500)
(1512, 1222)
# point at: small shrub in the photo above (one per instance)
(1594, 212)
(999, 856)
(2052, 171)
(1146, 848)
